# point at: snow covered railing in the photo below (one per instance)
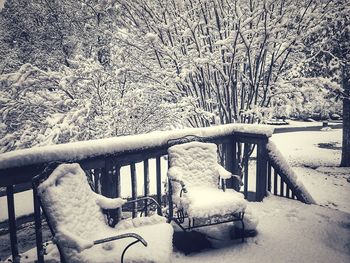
(103, 160)
(285, 182)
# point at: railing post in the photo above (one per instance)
(261, 171)
(12, 223)
(109, 188)
(38, 227)
(231, 164)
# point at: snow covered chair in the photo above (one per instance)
(194, 180)
(74, 214)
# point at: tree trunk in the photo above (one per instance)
(345, 157)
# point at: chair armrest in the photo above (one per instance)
(109, 203)
(175, 175)
(127, 235)
(182, 183)
(108, 239)
(224, 174)
(66, 239)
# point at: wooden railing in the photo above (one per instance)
(281, 179)
(103, 160)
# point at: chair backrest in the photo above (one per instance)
(69, 202)
(197, 162)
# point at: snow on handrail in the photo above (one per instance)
(91, 148)
(280, 164)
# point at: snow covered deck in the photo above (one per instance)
(288, 231)
(103, 161)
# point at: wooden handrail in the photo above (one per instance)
(286, 177)
(103, 164)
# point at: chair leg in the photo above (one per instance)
(179, 224)
(243, 227)
(126, 248)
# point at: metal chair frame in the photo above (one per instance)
(181, 216)
(36, 181)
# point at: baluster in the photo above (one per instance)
(269, 177)
(118, 192)
(38, 228)
(96, 176)
(246, 170)
(133, 189)
(159, 183)
(275, 178)
(169, 195)
(287, 191)
(12, 223)
(282, 188)
(146, 183)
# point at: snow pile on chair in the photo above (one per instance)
(206, 202)
(75, 212)
(195, 164)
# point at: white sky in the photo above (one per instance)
(2, 4)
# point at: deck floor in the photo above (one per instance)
(288, 231)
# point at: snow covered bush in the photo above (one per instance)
(80, 102)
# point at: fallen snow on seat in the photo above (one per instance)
(206, 202)
(76, 214)
(196, 165)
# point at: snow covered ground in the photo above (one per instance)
(317, 167)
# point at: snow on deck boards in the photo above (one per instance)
(84, 149)
(288, 231)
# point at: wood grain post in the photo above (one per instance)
(108, 180)
(38, 227)
(12, 223)
(261, 171)
(231, 164)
